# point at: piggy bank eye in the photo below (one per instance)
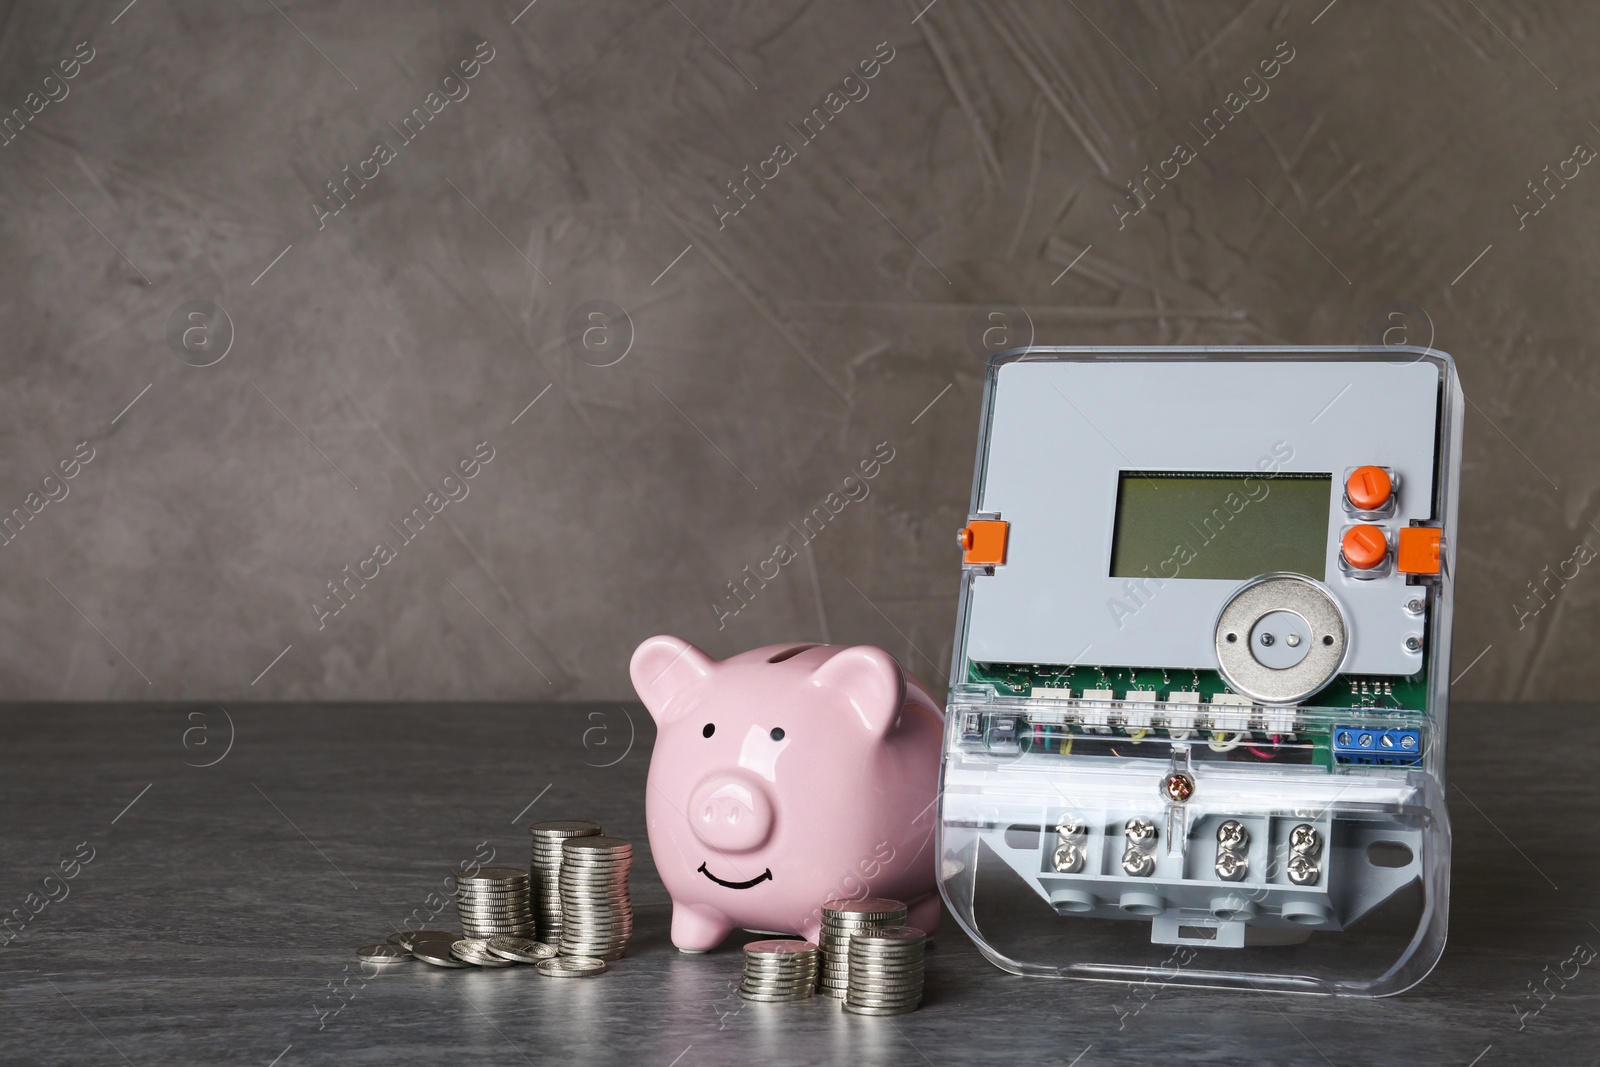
(710, 729)
(777, 733)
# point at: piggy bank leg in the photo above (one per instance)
(696, 929)
(924, 914)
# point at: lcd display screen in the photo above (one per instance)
(1188, 524)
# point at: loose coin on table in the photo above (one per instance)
(520, 949)
(436, 950)
(571, 967)
(384, 953)
(475, 950)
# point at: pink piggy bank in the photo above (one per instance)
(784, 777)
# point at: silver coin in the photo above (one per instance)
(890, 936)
(866, 988)
(756, 981)
(868, 965)
(882, 1002)
(774, 998)
(475, 950)
(872, 909)
(862, 1009)
(859, 966)
(884, 996)
(596, 954)
(885, 955)
(883, 981)
(779, 947)
(582, 851)
(564, 828)
(571, 966)
(492, 878)
(436, 951)
(597, 916)
(384, 953)
(580, 865)
(521, 949)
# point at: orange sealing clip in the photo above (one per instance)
(1419, 550)
(983, 541)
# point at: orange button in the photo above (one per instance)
(1365, 547)
(1419, 550)
(983, 541)
(1369, 488)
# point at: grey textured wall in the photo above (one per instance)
(1370, 185)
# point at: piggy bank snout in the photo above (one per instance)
(730, 813)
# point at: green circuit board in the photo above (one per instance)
(1346, 691)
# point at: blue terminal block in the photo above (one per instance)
(1364, 745)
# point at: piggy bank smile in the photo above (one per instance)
(815, 760)
(748, 883)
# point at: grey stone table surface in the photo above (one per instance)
(227, 863)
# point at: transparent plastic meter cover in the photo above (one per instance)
(1196, 725)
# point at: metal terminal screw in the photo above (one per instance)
(1140, 831)
(1408, 741)
(1366, 740)
(1067, 858)
(1176, 787)
(1415, 605)
(1386, 741)
(1413, 643)
(1231, 866)
(1138, 862)
(1305, 840)
(1266, 640)
(1071, 826)
(1344, 737)
(1303, 870)
(1233, 836)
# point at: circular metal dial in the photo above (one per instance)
(1280, 606)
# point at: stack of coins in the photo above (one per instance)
(545, 869)
(493, 901)
(885, 970)
(842, 918)
(779, 970)
(596, 914)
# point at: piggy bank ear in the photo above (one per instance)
(870, 679)
(664, 669)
